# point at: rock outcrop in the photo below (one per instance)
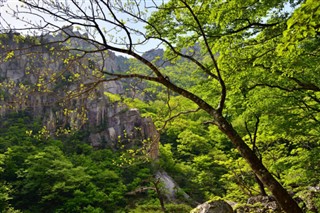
(259, 204)
(171, 187)
(65, 93)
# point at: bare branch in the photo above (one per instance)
(178, 115)
(221, 81)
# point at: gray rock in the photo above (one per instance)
(107, 121)
(215, 206)
(170, 187)
(268, 202)
(259, 204)
(309, 198)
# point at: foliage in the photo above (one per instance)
(40, 174)
(248, 67)
(157, 209)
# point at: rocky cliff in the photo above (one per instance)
(67, 91)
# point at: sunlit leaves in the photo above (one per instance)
(113, 97)
(303, 24)
(39, 173)
(9, 55)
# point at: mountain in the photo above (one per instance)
(65, 94)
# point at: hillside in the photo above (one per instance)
(225, 115)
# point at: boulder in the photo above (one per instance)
(214, 206)
(172, 190)
(259, 204)
(268, 202)
(308, 198)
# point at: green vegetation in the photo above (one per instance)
(235, 96)
(41, 174)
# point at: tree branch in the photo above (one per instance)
(222, 84)
(177, 115)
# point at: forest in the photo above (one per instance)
(160, 106)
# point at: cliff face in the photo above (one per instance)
(65, 94)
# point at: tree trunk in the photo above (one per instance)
(159, 193)
(261, 186)
(283, 198)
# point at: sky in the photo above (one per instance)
(7, 19)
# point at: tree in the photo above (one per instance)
(39, 172)
(206, 33)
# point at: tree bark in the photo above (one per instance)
(283, 198)
(159, 193)
(261, 186)
(256, 151)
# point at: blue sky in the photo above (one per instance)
(7, 19)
